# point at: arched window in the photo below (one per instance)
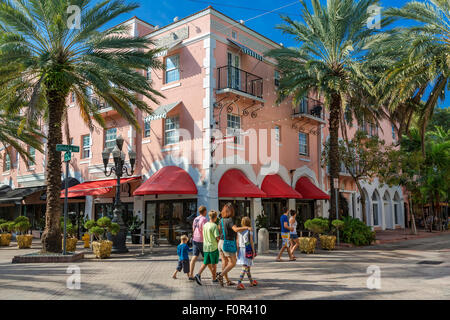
(396, 208)
(375, 209)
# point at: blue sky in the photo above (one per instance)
(254, 13)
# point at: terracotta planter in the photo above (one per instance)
(5, 239)
(307, 244)
(71, 244)
(24, 241)
(102, 249)
(327, 242)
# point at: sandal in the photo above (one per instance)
(279, 260)
(293, 259)
(240, 286)
(254, 283)
(231, 283)
(220, 278)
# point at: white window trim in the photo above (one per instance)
(168, 70)
(307, 144)
(165, 131)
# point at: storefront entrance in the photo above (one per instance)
(305, 211)
(167, 219)
(241, 209)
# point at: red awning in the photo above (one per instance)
(234, 184)
(309, 191)
(95, 188)
(275, 187)
(168, 180)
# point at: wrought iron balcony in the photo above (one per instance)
(235, 79)
(309, 108)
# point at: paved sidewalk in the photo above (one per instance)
(324, 275)
(389, 236)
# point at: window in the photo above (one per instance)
(393, 132)
(234, 127)
(149, 74)
(7, 164)
(71, 141)
(303, 105)
(396, 213)
(303, 143)
(233, 34)
(171, 126)
(276, 78)
(277, 133)
(172, 68)
(110, 138)
(86, 143)
(147, 128)
(32, 159)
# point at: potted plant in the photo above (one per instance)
(99, 229)
(71, 240)
(317, 226)
(135, 229)
(5, 232)
(328, 242)
(22, 226)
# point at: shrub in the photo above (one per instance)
(262, 221)
(7, 226)
(356, 232)
(317, 225)
(22, 225)
(102, 226)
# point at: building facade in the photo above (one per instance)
(218, 136)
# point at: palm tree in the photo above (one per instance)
(425, 50)
(331, 42)
(48, 60)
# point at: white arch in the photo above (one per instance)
(181, 162)
(234, 163)
(282, 172)
(304, 171)
(388, 210)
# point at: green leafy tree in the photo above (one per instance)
(46, 60)
(331, 40)
(362, 156)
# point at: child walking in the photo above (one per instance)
(246, 253)
(183, 256)
(210, 250)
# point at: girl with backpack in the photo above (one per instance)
(246, 253)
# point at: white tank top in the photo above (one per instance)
(294, 225)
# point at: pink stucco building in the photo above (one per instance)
(218, 122)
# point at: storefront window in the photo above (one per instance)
(241, 209)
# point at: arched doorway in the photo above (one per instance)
(397, 209)
(388, 211)
(376, 209)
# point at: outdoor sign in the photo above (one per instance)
(67, 148)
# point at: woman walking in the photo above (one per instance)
(227, 243)
(295, 242)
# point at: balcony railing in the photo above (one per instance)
(309, 107)
(237, 79)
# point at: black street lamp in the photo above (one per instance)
(119, 168)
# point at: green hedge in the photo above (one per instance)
(356, 232)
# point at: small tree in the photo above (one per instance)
(101, 227)
(317, 225)
(22, 225)
(362, 157)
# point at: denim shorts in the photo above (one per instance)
(197, 248)
(183, 264)
(294, 236)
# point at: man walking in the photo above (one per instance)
(197, 238)
(285, 235)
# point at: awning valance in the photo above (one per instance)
(234, 184)
(309, 191)
(275, 187)
(246, 50)
(162, 111)
(168, 180)
(18, 194)
(95, 188)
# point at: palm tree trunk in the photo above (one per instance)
(335, 107)
(51, 238)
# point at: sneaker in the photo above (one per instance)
(191, 278)
(240, 286)
(254, 283)
(198, 279)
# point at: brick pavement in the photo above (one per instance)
(324, 275)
